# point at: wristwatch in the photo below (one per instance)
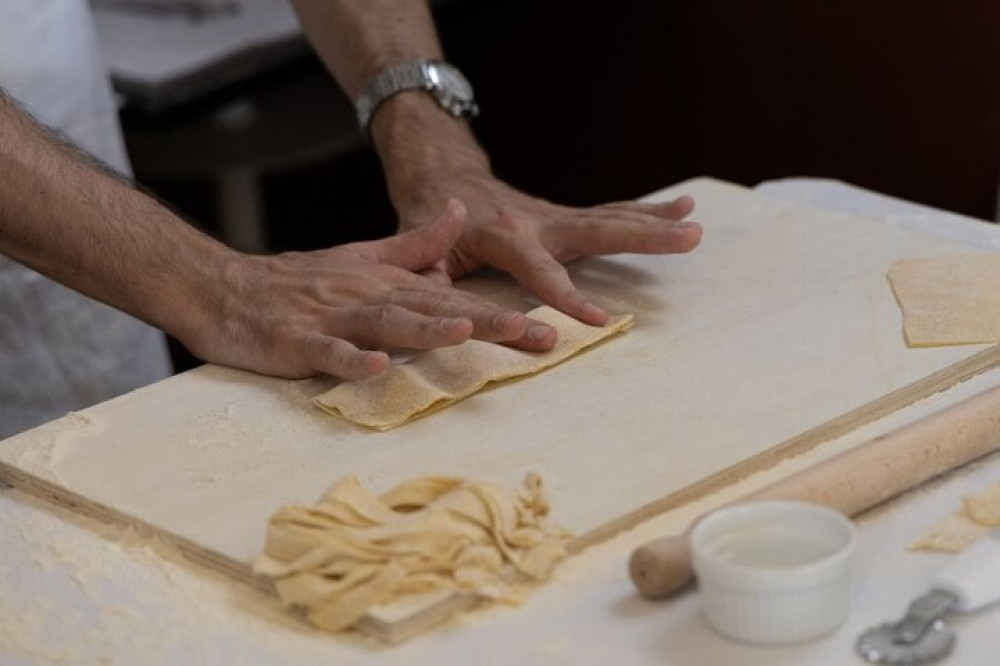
(444, 82)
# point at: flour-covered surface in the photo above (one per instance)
(73, 591)
(76, 591)
(57, 606)
(762, 334)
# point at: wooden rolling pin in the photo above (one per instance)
(852, 481)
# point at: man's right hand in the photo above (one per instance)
(336, 311)
(296, 314)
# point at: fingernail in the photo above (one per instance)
(373, 363)
(539, 332)
(453, 324)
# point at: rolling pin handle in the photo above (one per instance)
(662, 567)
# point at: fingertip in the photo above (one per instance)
(542, 336)
(455, 330)
(593, 315)
(426, 246)
(683, 205)
(369, 364)
(455, 208)
(448, 225)
(690, 235)
(340, 358)
(363, 365)
(452, 217)
(538, 337)
(509, 325)
(581, 310)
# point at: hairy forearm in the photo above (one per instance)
(72, 220)
(414, 137)
(357, 39)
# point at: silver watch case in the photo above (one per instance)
(445, 83)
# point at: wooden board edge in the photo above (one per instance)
(804, 442)
(417, 622)
(439, 610)
(435, 611)
(937, 382)
(50, 492)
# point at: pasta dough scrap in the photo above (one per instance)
(950, 535)
(980, 513)
(353, 550)
(949, 300)
(440, 377)
(984, 506)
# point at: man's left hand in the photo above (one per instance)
(532, 239)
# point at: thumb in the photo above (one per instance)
(438, 273)
(426, 245)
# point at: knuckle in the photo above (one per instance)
(351, 359)
(282, 332)
(379, 317)
(375, 294)
(649, 244)
(321, 354)
(386, 315)
(508, 223)
(553, 271)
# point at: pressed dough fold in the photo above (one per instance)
(948, 300)
(353, 550)
(439, 377)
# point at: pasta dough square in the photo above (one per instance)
(950, 300)
(440, 377)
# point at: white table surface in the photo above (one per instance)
(75, 592)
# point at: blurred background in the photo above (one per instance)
(230, 118)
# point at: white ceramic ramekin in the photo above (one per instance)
(774, 572)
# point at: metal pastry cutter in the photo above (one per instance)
(969, 582)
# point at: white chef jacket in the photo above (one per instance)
(59, 350)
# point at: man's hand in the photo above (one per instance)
(531, 238)
(334, 311)
(430, 157)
